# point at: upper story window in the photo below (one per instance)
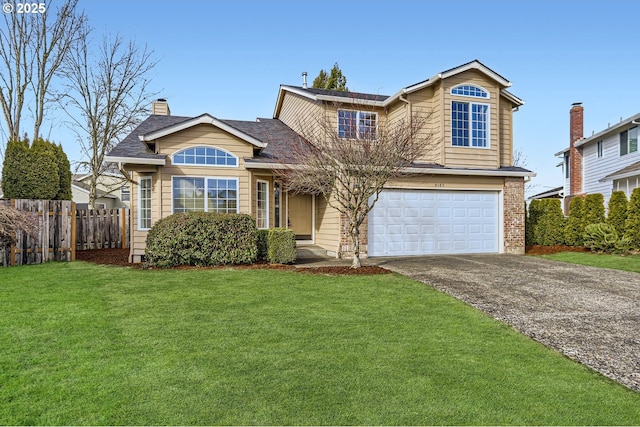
(357, 124)
(629, 141)
(567, 163)
(470, 90)
(469, 124)
(204, 156)
(599, 149)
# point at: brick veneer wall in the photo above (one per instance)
(514, 216)
(576, 131)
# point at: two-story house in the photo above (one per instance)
(604, 162)
(464, 196)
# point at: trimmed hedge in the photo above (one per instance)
(574, 228)
(549, 229)
(202, 239)
(593, 209)
(632, 224)
(277, 245)
(535, 211)
(617, 212)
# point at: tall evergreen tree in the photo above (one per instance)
(333, 80)
(593, 209)
(44, 180)
(574, 228)
(632, 224)
(15, 168)
(617, 212)
(64, 173)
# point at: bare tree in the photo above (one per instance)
(107, 94)
(32, 48)
(12, 221)
(350, 169)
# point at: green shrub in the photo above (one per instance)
(281, 246)
(262, 244)
(602, 237)
(574, 228)
(549, 229)
(632, 224)
(593, 209)
(535, 210)
(617, 212)
(202, 239)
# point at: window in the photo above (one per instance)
(629, 141)
(144, 208)
(357, 124)
(470, 90)
(125, 193)
(469, 124)
(205, 194)
(567, 161)
(262, 204)
(599, 147)
(204, 156)
(276, 204)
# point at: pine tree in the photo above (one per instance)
(15, 168)
(593, 209)
(574, 228)
(632, 224)
(549, 230)
(334, 80)
(535, 210)
(617, 215)
(64, 173)
(44, 180)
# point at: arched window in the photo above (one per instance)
(204, 156)
(470, 90)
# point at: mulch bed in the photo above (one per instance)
(120, 257)
(548, 250)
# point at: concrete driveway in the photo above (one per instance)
(590, 314)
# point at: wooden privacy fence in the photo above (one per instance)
(62, 230)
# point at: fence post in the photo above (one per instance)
(74, 223)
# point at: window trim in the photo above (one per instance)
(487, 129)
(358, 131)
(471, 86)
(266, 208)
(142, 179)
(125, 193)
(206, 189)
(213, 147)
(599, 149)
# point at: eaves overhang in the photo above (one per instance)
(618, 127)
(136, 160)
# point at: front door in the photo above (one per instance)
(300, 215)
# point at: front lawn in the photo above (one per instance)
(85, 344)
(617, 262)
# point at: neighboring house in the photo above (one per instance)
(604, 162)
(464, 196)
(113, 191)
(554, 193)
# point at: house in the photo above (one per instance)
(465, 196)
(604, 162)
(554, 193)
(112, 191)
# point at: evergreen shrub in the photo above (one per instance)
(202, 239)
(574, 228)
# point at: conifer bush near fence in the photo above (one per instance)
(535, 210)
(617, 212)
(202, 239)
(632, 224)
(574, 227)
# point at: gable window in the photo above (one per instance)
(599, 148)
(208, 194)
(470, 90)
(629, 141)
(125, 193)
(357, 124)
(262, 204)
(469, 124)
(144, 204)
(204, 156)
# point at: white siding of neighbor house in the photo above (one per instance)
(595, 168)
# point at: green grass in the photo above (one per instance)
(84, 344)
(617, 262)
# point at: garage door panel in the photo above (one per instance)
(416, 222)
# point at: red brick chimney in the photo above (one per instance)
(576, 131)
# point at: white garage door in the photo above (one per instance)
(424, 222)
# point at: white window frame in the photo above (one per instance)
(627, 143)
(205, 165)
(471, 86)
(125, 193)
(142, 221)
(599, 149)
(206, 189)
(470, 124)
(265, 215)
(360, 132)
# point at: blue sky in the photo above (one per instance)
(228, 58)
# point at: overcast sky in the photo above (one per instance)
(228, 58)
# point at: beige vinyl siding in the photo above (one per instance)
(139, 237)
(506, 135)
(327, 226)
(425, 102)
(296, 111)
(472, 157)
(447, 182)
